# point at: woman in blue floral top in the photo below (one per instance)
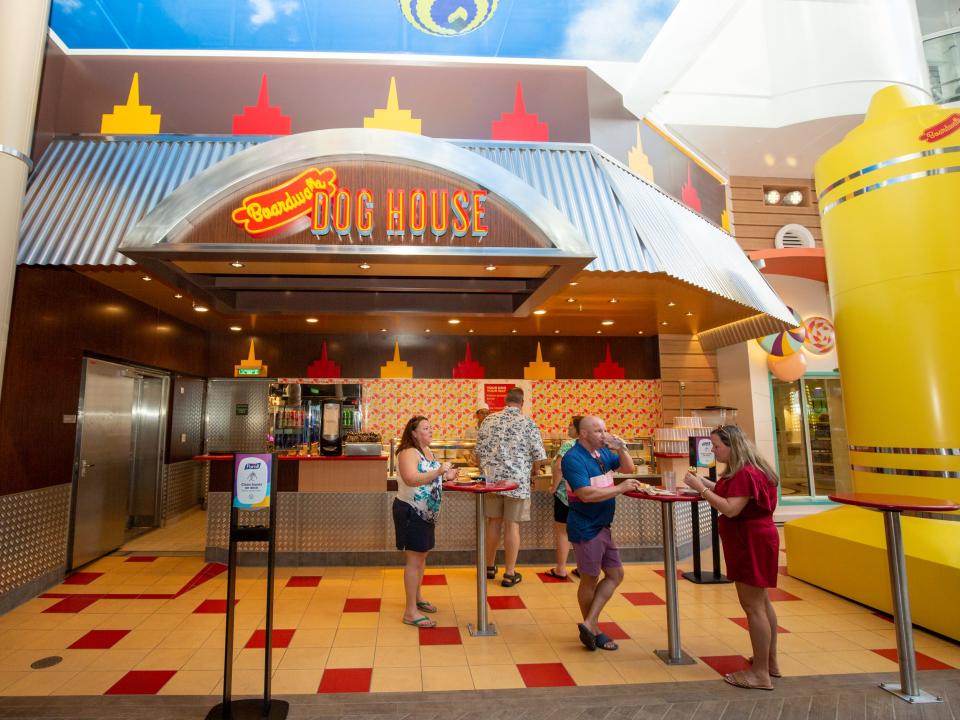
(561, 504)
(415, 512)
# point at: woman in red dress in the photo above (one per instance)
(746, 496)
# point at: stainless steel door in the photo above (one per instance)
(149, 432)
(102, 486)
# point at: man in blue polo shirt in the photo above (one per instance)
(588, 471)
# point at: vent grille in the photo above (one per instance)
(793, 236)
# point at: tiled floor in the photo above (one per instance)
(185, 533)
(155, 624)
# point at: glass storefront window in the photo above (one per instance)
(943, 62)
(811, 436)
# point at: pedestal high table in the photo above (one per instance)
(482, 628)
(891, 506)
(674, 654)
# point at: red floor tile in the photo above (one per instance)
(81, 578)
(212, 606)
(361, 605)
(663, 573)
(141, 682)
(434, 580)
(742, 622)
(99, 640)
(440, 636)
(208, 572)
(302, 581)
(141, 558)
(73, 604)
(724, 664)
(924, 662)
(613, 631)
(281, 638)
(550, 579)
(345, 680)
(782, 569)
(505, 602)
(776, 594)
(643, 598)
(545, 675)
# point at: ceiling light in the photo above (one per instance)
(599, 332)
(364, 266)
(313, 320)
(453, 321)
(146, 278)
(607, 322)
(539, 312)
(574, 284)
(571, 300)
(514, 332)
(689, 314)
(490, 267)
(772, 197)
(556, 332)
(178, 295)
(794, 197)
(470, 330)
(664, 323)
(383, 329)
(236, 328)
(639, 332)
(671, 303)
(428, 330)
(236, 264)
(613, 300)
(200, 308)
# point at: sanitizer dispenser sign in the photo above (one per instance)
(251, 481)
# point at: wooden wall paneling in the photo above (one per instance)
(682, 360)
(755, 224)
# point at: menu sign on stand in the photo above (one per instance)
(495, 395)
(702, 456)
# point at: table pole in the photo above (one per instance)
(674, 654)
(483, 628)
(909, 688)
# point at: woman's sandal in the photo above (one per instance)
(605, 643)
(491, 572)
(588, 639)
(575, 573)
(511, 580)
(421, 622)
(771, 672)
(737, 679)
(555, 575)
(426, 607)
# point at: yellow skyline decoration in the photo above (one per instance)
(638, 161)
(251, 367)
(392, 117)
(132, 118)
(725, 220)
(396, 368)
(539, 370)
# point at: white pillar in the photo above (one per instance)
(23, 32)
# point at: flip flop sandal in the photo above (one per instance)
(511, 580)
(554, 574)
(604, 641)
(772, 673)
(421, 622)
(736, 679)
(588, 639)
(427, 607)
(491, 572)
(575, 573)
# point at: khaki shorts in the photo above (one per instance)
(513, 509)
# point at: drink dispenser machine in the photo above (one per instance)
(331, 440)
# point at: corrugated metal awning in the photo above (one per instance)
(88, 193)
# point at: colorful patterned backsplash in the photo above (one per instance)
(631, 408)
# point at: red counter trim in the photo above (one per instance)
(305, 458)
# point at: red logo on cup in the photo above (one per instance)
(943, 128)
(285, 208)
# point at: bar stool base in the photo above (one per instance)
(250, 710)
(489, 632)
(921, 698)
(706, 578)
(684, 659)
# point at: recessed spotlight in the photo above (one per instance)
(236, 328)
(556, 332)
(689, 314)
(313, 320)
(453, 321)
(671, 303)
(607, 322)
(539, 312)
(771, 197)
(200, 308)
(470, 330)
(146, 278)
(599, 332)
(237, 264)
(639, 332)
(178, 296)
(613, 301)
(490, 267)
(571, 300)
(364, 266)
(428, 330)
(514, 332)
(664, 323)
(794, 197)
(383, 329)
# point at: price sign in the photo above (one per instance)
(251, 480)
(701, 452)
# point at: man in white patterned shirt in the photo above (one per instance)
(509, 443)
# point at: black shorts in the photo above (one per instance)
(413, 532)
(559, 511)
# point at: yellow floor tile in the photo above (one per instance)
(319, 637)
(9, 677)
(303, 681)
(141, 639)
(828, 641)
(39, 682)
(397, 635)
(443, 656)
(185, 639)
(165, 659)
(532, 653)
(392, 680)
(350, 657)
(391, 657)
(304, 658)
(521, 633)
(245, 682)
(642, 671)
(487, 654)
(192, 682)
(251, 658)
(492, 677)
(115, 659)
(511, 617)
(451, 678)
(205, 659)
(355, 637)
(90, 682)
(594, 673)
(685, 673)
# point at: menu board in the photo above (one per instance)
(251, 480)
(495, 395)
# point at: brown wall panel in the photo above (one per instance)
(58, 316)
(684, 361)
(755, 224)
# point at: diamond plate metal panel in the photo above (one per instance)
(538, 532)
(229, 432)
(343, 521)
(186, 419)
(33, 534)
(457, 524)
(288, 521)
(218, 519)
(182, 487)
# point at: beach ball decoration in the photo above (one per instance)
(789, 367)
(821, 336)
(785, 343)
(448, 18)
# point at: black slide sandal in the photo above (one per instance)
(588, 639)
(603, 642)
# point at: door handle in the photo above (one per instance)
(84, 466)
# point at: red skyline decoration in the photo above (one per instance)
(468, 368)
(519, 124)
(262, 118)
(324, 367)
(688, 193)
(609, 369)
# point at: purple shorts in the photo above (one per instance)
(596, 553)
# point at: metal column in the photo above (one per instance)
(482, 628)
(674, 655)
